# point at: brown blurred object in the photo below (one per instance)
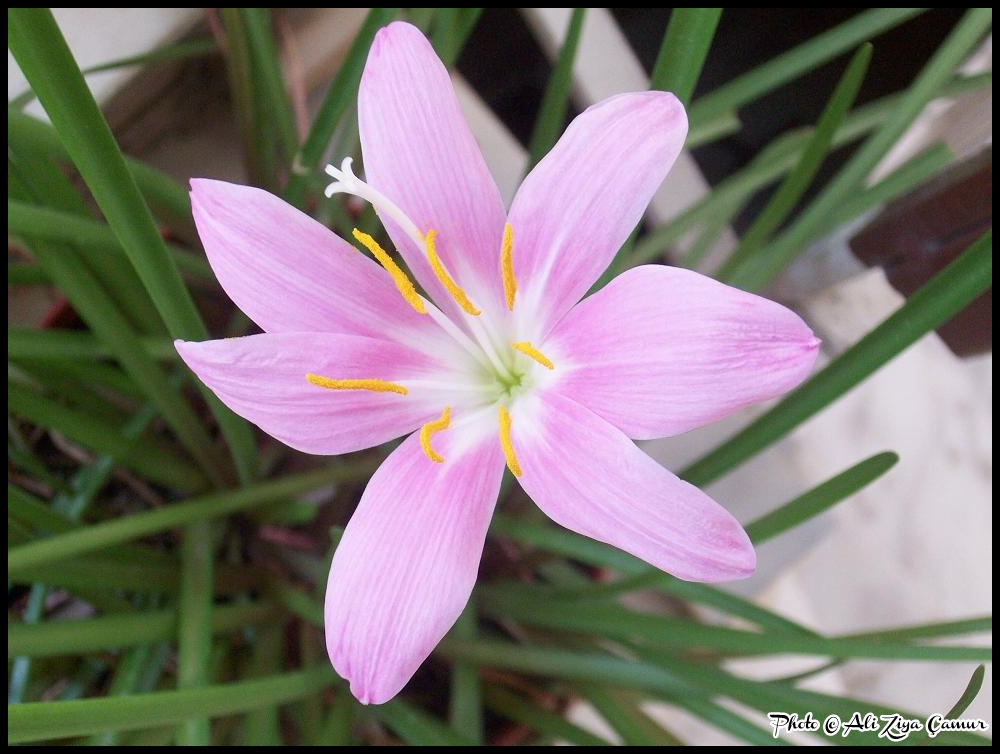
(918, 235)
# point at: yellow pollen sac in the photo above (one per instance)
(506, 444)
(431, 428)
(403, 283)
(376, 386)
(442, 274)
(507, 266)
(529, 350)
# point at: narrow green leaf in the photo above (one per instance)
(336, 729)
(110, 632)
(552, 726)
(262, 728)
(626, 718)
(820, 498)
(273, 106)
(20, 668)
(465, 710)
(928, 631)
(938, 71)
(450, 28)
(339, 96)
(969, 695)
(798, 61)
(166, 197)
(55, 225)
(62, 546)
(137, 672)
(416, 727)
(41, 721)
(100, 389)
(728, 197)
(551, 118)
(194, 635)
(28, 343)
(916, 171)
(683, 50)
(133, 568)
(25, 507)
(298, 603)
(726, 720)
(46, 184)
(25, 273)
(46, 61)
(567, 664)
(179, 51)
(548, 538)
(610, 620)
(801, 176)
(935, 303)
(152, 460)
(41, 52)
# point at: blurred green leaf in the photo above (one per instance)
(28, 343)
(55, 225)
(551, 118)
(152, 460)
(451, 27)
(551, 725)
(340, 95)
(178, 51)
(415, 726)
(683, 50)
(820, 498)
(194, 624)
(68, 637)
(465, 710)
(611, 620)
(812, 156)
(39, 721)
(939, 69)
(623, 713)
(67, 545)
(40, 50)
(799, 60)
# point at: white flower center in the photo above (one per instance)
(504, 370)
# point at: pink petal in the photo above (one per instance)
(661, 350)
(263, 379)
(589, 477)
(289, 273)
(419, 152)
(579, 204)
(408, 559)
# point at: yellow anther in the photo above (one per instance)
(529, 350)
(505, 443)
(429, 429)
(403, 283)
(442, 274)
(376, 386)
(507, 266)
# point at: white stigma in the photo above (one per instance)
(346, 182)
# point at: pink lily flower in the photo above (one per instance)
(497, 364)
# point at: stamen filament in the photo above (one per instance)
(446, 280)
(376, 386)
(403, 283)
(507, 266)
(529, 350)
(505, 443)
(429, 429)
